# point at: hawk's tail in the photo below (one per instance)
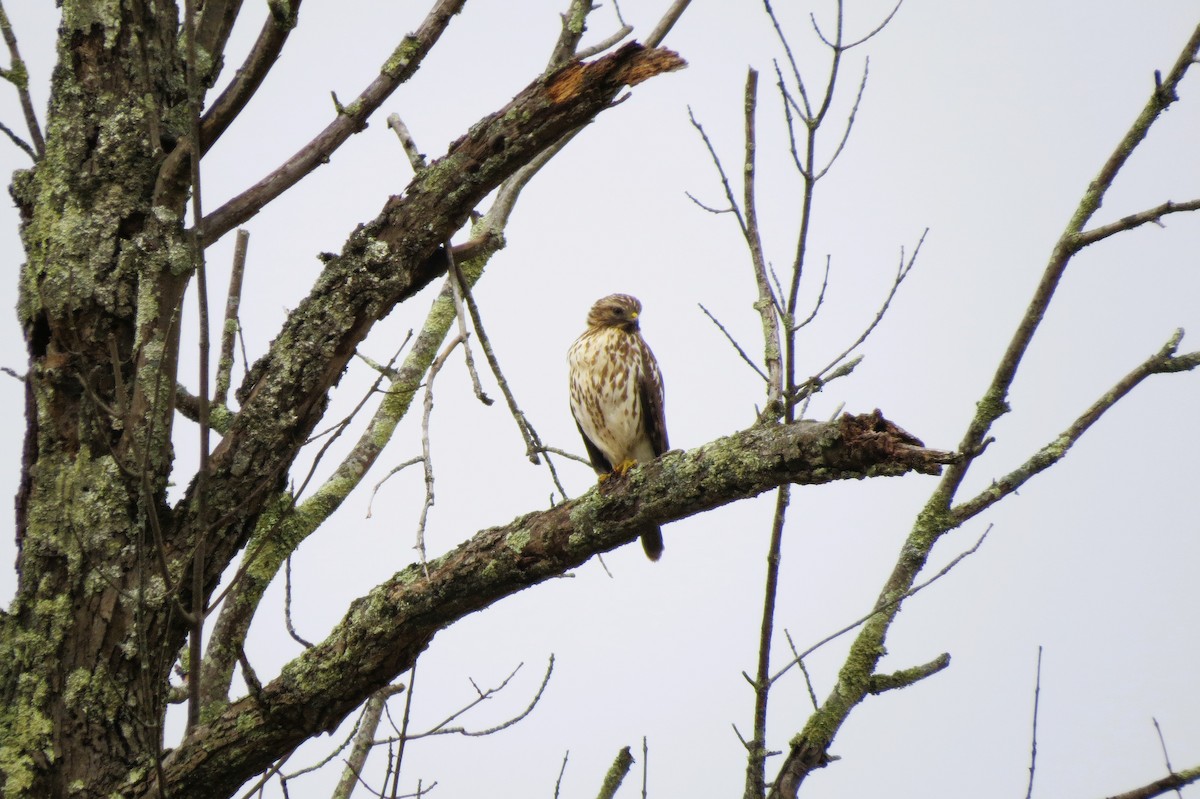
(652, 542)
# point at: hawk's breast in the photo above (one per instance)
(605, 367)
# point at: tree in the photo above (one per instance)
(120, 579)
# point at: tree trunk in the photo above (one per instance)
(84, 671)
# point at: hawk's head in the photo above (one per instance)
(615, 310)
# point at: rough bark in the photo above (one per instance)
(384, 631)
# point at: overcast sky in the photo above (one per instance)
(982, 122)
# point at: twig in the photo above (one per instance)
(871, 34)
(862, 86)
(605, 43)
(1162, 742)
(403, 731)
(17, 140)
(645, 765)
(887, 605)
(736, 346)
(812, 694)
(426, 458)
(1037, 690)
(349, 739)
(18, 76)
(533, 443)
(458, 286)
(805, 113)
(1132, 221)
(230, 328)
(386, 477)
(415, 157)
(563, 453)
(561, 772)
(342, 425)
(902, 271)
(287, 604)
(441, 728)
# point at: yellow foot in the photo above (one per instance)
(622, 468)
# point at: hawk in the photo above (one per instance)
(617, 395)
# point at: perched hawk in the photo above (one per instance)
(617, 395)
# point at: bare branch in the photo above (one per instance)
(1037, 692)
(766, 303)
(807, 113)
(1162, 362)
(561, 772)
(17, 140)
(287, 605)
(574, 24)
(1162, 742)
(669, 18)
(249, 76)
(862, 87)
(18, 75)
(736, 346)
(442, 727)
(403, 62)
(880, 683)
(455, 279)
(733, 204)
(994, 403)
(798, 658)
(426, 455)
(875, 31)
(606, 43)
(533, 443)
(230, 328)
(1132, 221)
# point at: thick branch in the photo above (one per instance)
(384, 262)
(383, 632)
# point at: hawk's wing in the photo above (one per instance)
(650, 389)
(599, 462)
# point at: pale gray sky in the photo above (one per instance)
(982, 122)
